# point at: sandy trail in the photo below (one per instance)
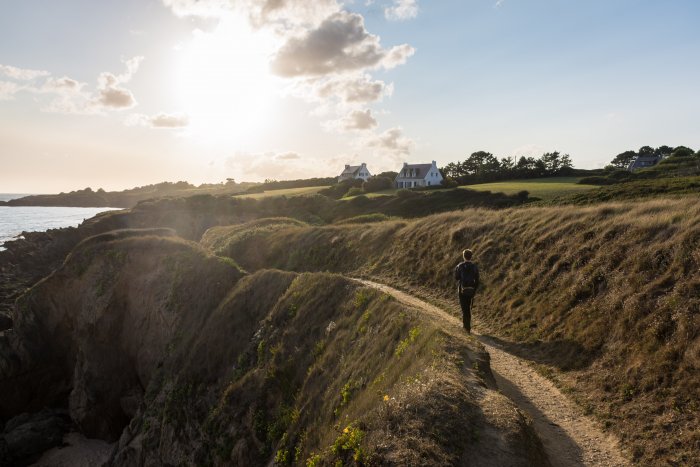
(569, 437)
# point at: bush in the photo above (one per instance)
(354, 191)
(449, 183)
(377, 184)
(406, 193)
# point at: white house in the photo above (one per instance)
(355, 171)
(414, 175)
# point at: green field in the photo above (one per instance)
(544, 188)
(308, 190)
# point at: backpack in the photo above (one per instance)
(467, 275)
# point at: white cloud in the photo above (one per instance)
(353, 89)
(260, 12)
(498, 3)
(356, 120)
(21, 74)
(287, 156)
(61, 85)
(339, 44)
(8, 90)
(392, 143)
(402, 10)
(160, 120)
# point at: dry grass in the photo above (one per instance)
(609, 294)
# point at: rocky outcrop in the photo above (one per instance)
(91, 335)
(27, 435)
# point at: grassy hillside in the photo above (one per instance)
(176, 354)
(543, 188)
(284, 192)
(607, 294)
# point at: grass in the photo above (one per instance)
(543, 188)
(608, 293)
(310, 190)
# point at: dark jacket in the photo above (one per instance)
(467, 264)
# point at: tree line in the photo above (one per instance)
(483, 166)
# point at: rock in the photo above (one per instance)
(27, 436)
(5, 322)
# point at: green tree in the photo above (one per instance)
(622, 160)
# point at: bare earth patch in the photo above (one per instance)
(78, 452)
(569, 437)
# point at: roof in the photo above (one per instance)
(351, 170)
(421, 171)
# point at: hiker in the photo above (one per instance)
(467, 273)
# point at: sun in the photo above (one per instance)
(223, 82)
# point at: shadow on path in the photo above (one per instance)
(566, 355)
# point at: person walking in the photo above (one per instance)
(467, 274)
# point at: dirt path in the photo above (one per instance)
(569, 437)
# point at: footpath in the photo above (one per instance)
(569, 437)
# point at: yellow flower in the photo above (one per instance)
(346, 430)
(386, 397)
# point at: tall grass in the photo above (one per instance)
(609, 294)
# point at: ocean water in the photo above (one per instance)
(17, 219)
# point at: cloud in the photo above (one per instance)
(498, 3)
(260, 12)
(357, 89)
(287, 156)
(357, 120)
(339, 44)
(21, 74)
(160, 120)
(61, 85)
(391, 142)
(110, 94)
(402, 10)
(8, 90)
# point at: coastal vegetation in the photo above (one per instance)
(605, 297)
(215, 367)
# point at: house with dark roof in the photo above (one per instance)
(355, 171)
(641, 162)
(415, 175)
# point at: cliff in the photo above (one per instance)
(179, 357)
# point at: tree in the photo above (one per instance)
(624, 159)
(663, 151)
(646, 151)
(682, 151)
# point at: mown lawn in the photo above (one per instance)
(308, 190)
(544, 188)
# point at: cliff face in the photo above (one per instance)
(93, 332)
(180, 358)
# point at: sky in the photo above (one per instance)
(118, 94)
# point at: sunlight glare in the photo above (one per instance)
(224, 84)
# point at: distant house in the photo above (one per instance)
(414, 175)
(641, 162)
(355, 171)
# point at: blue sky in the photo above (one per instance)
(207, 96)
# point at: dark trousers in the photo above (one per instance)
(465, 301)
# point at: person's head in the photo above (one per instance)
(467, 254)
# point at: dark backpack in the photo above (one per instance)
(467, 275)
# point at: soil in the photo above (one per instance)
(78, 451)
(570, 438)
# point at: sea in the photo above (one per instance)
(17, 219)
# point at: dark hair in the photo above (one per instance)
(467, 254)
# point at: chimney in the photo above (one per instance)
(434, 163)
(364, 165)
(347, 166)
(405, 164)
